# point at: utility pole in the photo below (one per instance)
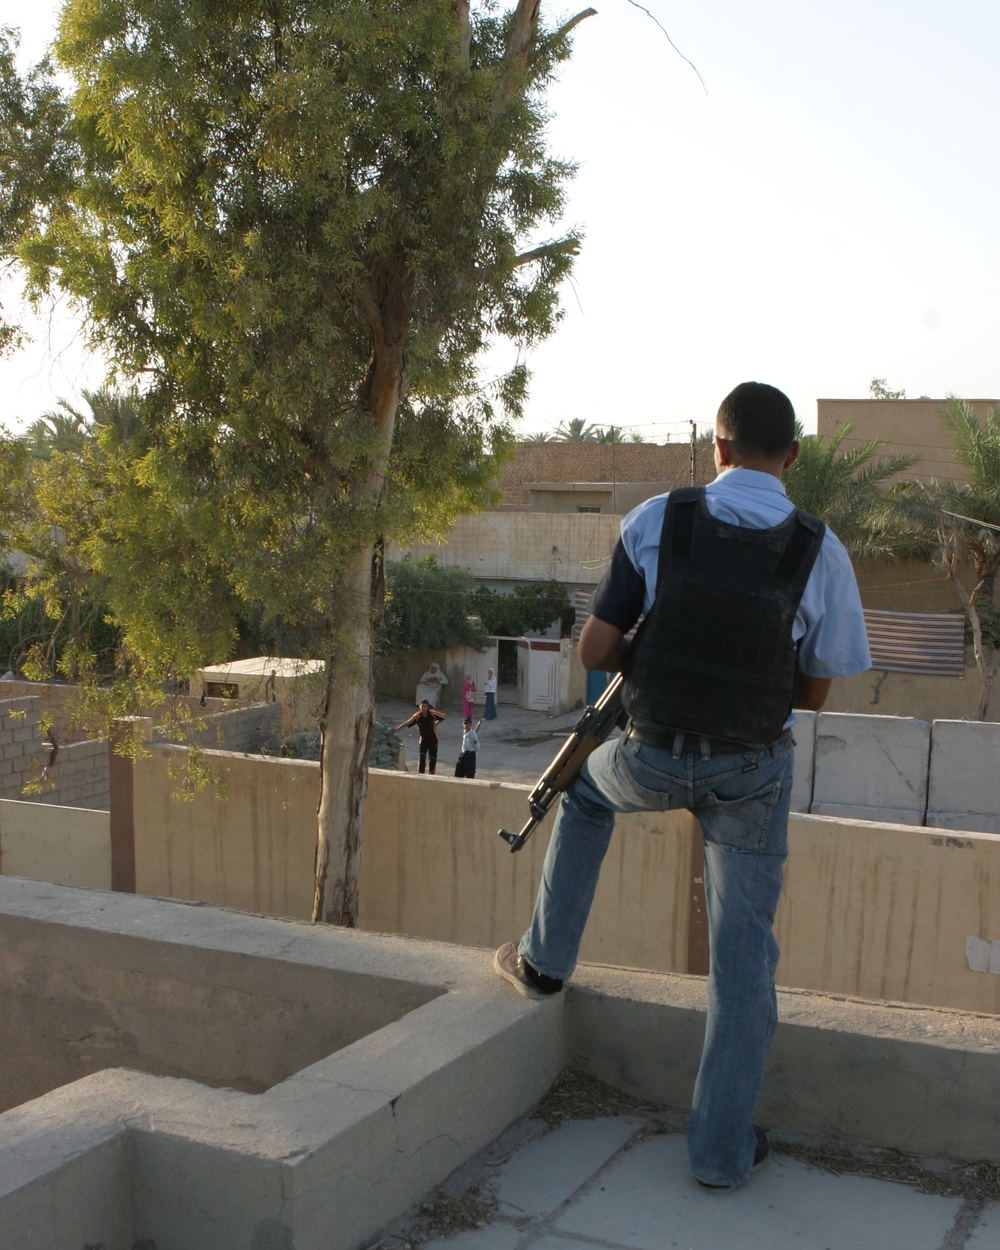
(694, 453)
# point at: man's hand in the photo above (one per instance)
(810, 692)
(601, 645)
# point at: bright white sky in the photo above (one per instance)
(825, 213)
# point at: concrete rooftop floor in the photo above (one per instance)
(622, 1180)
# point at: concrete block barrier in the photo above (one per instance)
(871, 767)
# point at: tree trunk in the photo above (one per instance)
(346, 727)
(348, 718)
(986, 667)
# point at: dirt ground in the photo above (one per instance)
(518, 746)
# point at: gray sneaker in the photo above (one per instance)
(525, 979)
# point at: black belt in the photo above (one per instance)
(698, 743)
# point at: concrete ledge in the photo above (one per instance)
(327, 1156)
(916, 1079)
(321, 1159)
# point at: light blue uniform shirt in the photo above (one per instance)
(829, 627)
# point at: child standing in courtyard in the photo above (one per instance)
(466, 766)
(426, 720)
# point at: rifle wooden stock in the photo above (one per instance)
(589, 732)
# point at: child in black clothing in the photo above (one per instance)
(425, 718)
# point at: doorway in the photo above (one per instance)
(507, 670)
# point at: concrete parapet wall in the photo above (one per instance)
(886, 912)
(898, 1078)
(876, 909)
(432, 864)
(213, 1016)
(322, 1159)
(327, 1156)
(255, 850)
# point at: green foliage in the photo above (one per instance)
(615, 434)
(298, 223)
(844, 488)
(576, 430)
(33, 157)
(41, 647)
(879, 389)
(966, 515)
(426, 607)
(989, 623)
(529, 607)
(963, 520)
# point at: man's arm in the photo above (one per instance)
(810, 692)
(615, 607)
(601, 645)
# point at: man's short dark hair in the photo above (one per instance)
(757, 418)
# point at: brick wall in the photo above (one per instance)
(60, 706)
(77, 774)
(20, 745)
(248, 729)
(669, 464)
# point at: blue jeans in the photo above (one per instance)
(741, 801)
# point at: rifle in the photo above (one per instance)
(589, 732)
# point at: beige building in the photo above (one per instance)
(598, 477)
(911, 426)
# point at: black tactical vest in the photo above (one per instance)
(715, 655)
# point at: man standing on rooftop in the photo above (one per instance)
(749, 607)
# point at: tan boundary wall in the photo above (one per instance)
(874, 910)
(64, 845)
(878, 693)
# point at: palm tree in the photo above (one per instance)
(56, 431)
(575, 431)
(65, 429)
(977, 447)
(540, 437)
(117, 415)
(844, 488)
(965, 521)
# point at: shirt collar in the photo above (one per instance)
(752, 479)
